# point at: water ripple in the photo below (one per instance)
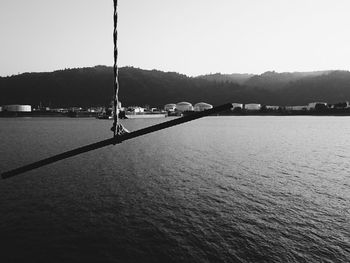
(221, 189)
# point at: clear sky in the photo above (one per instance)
(188, 36)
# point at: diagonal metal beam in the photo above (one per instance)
(116, 140)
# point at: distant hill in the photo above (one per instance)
(94, 87)
(332, 87)
(269, 80)
(272, 80)
(81, 87)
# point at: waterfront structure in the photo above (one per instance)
(135, 109)
(252, 106)
(341, 105)
(296, 108)
(269, 107)
(184, 106)
(17, 108)
(60, 110)
(313, 105)
(201, 106)
(170, 107)
(237, 106)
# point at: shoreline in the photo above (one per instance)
(78, 115)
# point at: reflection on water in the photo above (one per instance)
(219, 189)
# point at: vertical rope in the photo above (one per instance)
(115, 69)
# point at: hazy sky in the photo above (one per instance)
(187, 36)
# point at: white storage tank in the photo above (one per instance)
(17, 108)
(170, 107)
(201, 106)
(184, 106)
(252, 106)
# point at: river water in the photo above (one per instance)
(219, 189)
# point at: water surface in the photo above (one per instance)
(219, 189)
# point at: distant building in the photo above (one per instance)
(341, 105)
(60, 110)
(201, 106)
(296, 108)
(237, 106)
(93, 110)
(269, 107)
(184, 106)
(74, 109)
(136, 109)
(170, 107)
(300, 107)
(0, 109)
(17, 108)
(252, 106)
(313, 105)
(41, 108)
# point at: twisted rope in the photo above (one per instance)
(115, 70)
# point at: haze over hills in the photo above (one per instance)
(235, 77)
(94, 87)
(268, 80)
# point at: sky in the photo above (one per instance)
(192, 37)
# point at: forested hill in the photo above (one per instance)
(268, 80)
(94, 86)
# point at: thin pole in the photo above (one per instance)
(118, 139)
(115, 70)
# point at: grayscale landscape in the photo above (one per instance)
(175, 131)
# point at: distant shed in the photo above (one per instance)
(252, 106)
(296, 108)
(237, 106)
(17, 108)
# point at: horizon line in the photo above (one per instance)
(172, 71)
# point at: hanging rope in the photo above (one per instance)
(115, 70)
